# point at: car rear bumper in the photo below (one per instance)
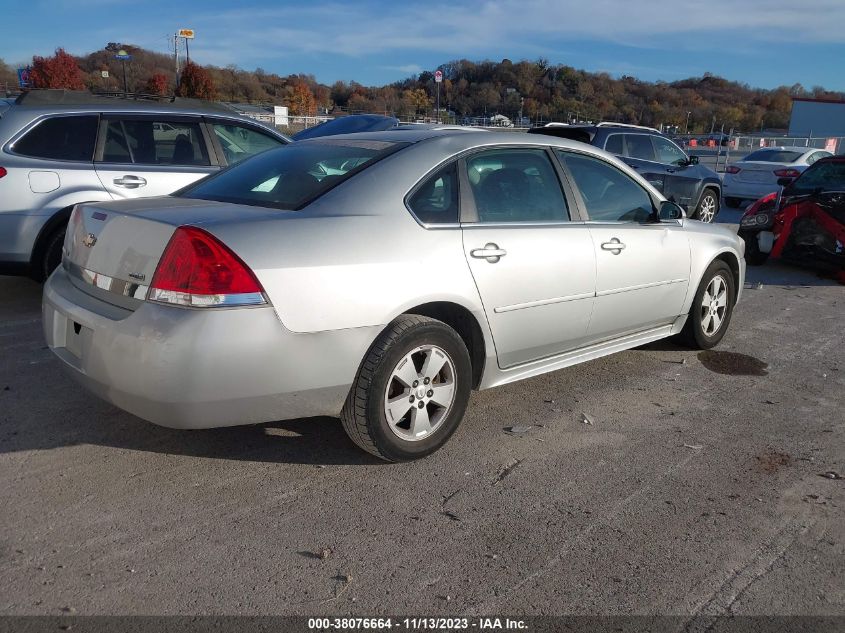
(189, 368)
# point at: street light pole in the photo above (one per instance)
(686, 129)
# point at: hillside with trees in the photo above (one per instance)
(537, 90)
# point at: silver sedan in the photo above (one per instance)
(382, 277)
(757, 174)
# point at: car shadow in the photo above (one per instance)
(317, 441)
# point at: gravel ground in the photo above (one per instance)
(692, 492)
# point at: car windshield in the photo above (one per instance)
(292, 176)
(774, 156)
(820, 177)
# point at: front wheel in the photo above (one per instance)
(411, 391)
(707, 207)
(712, 307)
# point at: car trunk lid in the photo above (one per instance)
(111, 250)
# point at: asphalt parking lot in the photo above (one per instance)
(692, 491)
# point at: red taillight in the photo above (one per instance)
(3, 172)
(198, 270)
(732, 169)
(787, 173)
(762, 204)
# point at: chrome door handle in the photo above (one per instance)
(130, 182)
(613, 245)
(491, 252)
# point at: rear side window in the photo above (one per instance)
(608, 194)
(639, 146)
(61, 138)
(240, 142)
(145, 142)
(436, 200)
(614, 144)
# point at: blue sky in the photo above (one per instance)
(764, 43)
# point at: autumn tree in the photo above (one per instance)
(196, 82)
(157, 84)
(302, 101)
(59, 71)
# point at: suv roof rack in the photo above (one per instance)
(631, 125)
(83, 97)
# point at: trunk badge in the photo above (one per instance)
(138, 276)
(90, 240)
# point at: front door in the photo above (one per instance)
(140, 157)
(642, 266)
(533, 266)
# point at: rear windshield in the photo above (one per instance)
(292, 176)
(773, 156)
(820, 177)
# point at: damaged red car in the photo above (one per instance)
(803, 223)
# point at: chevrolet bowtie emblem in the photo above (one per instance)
(90, 240)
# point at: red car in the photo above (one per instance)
(804, 223)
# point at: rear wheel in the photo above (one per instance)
(712, 307)
(411, 391)
(50, 256)
(707, 207)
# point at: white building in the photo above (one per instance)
(817, 118)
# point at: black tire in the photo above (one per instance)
(709, 200)
(693, 334)
(50, 255)
(733, 203)
(363, 415)
(753, 255)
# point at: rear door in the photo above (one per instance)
(532, 261)
(680, 180)
(639, 154)
(142, 156)
(642, 266)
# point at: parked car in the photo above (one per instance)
(804, 223)
(757, 174)
(348, 125)
(423, 265)
(658, 159)
(61, 148)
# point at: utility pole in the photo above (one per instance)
(176, 57)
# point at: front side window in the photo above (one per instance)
(239, 142)
(144, 142)
(291, 176)
(61, 138)
(668, 152)
(639, 146)
(436, 200)
(608, 194)
(516, 185)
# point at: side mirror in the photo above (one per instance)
(785, 181)
(671, 211)
(693, 160)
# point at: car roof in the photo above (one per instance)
(81, 100)
(459, 141)
(790, 148)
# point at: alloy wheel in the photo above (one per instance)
(714, 305)
(420, 393)
(707, 210)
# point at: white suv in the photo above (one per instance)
(61, 148)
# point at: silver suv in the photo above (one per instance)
(61, 148)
